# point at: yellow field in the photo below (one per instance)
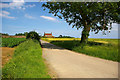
(60, 39)
(71, 39)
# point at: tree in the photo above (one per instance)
(21, 34)
(5, 34)
(60, 36)
(94, 16)
(25, 33)
(33, 35)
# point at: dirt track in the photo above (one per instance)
(69, 64)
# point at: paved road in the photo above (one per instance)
(69, 64)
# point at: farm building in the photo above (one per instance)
(48, 35)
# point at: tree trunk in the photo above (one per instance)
(85, 34)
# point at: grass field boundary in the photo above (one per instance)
(27, 62)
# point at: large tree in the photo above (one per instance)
(94, 16)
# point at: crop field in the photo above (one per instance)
(60, 39)
(11, 42)
(113, 41)
(102, 48)
(26, 62)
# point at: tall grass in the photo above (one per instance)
(27, 62)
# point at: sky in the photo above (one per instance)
(19, 16)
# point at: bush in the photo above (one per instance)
(33, 35)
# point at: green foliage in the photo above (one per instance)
(94, 16)
(27, 62)
(0, 41)
(102, 48)
(11, 42)
(5, 34)
(33, 35)
(21, 34)
(60, 36)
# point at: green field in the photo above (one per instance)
(27, 62)
(102, 48)
(12, 42)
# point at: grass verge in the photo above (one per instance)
(102, 48)
(27, 62)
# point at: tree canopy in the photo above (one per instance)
(94, 16)
(33, 35)
(4, 34)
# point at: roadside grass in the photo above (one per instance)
(102, 48)
(12, 42)
(27, 62)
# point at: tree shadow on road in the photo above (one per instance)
(50, 46)
(71, 44)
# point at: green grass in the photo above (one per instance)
(102, 48)
(27, 62)
(11, 42)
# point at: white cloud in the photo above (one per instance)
(16, 4)
(6, 14)
(18, 1)
(33, 5)
(49, 18)
(23, 8)
(28, 16)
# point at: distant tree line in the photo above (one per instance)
(17, 34)
(21, 34)
(4, 34)
(25, 34)
(61, 36)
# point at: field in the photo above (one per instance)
(102, 48)
(3, 36)
(60, 39)
(12, 42)
(6, 54)
(27, 62)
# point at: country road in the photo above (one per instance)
(69, 64)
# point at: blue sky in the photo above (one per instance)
(19, 17)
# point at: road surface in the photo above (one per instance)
(69, 64)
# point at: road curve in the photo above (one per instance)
(69, 64)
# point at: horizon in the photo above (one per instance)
(74, 37)
(29, 16)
